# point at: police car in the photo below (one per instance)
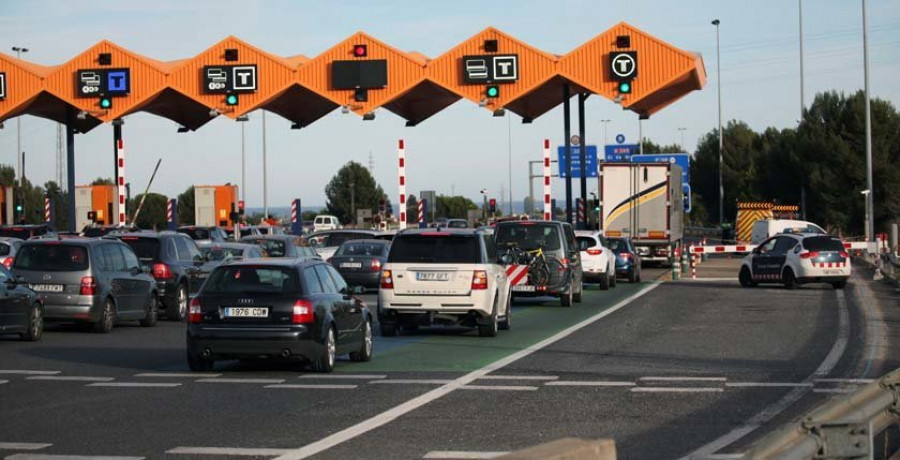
(794, 259)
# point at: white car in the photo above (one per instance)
(794, 259)
(597, 261)
(768, 228)
(327, 243)
(325, 222)
(444, 276)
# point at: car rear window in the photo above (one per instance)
(528, 236)
(273, 248)
(823, 243)
(195, 233)
(457, 224)
(17, 232)
(145, 248)
(616, 245)
(361, 249)
(219, 254)
(252, 280)
(5, 249)
(52, 257)
(438, 248)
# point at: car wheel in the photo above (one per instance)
(638, 279)
(198, 363)
(35, 326)
(839, 284)
(745, 278)
(152, 312)
(178, 310)
(325, 361)
(506, 322)
(604, 282)
(632, 276)
(365, 350)
(388, 329)
(490, 329)
(790, 281)
(566, 299)
(107, 318)
(612, 279)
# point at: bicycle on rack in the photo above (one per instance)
(538, 268)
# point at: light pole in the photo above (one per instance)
(682, 138)
(265, 177)
(719, 78)
(19, 50)
(353, 201)
(865, 194)
(509, 159)
(484, 205)
(242, 119)
(605, 122)
(802, 100)
(870, 203)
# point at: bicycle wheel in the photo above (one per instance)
(539, 274)
(558, 274)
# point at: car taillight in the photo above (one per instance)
(625, 255)
(88, 286)
(195, 313)
(809, 255)
(842, 254)
(375, 265)
(304, 313)
(8, 262)
(162, 272)
(479, 280)
(387, 282)
(594, 252)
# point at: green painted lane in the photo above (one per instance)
(462, 350)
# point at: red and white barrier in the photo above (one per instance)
(722, 249)
(517, 274)
(47, 217)
(548, 212)
(120, 181)
(401, 173)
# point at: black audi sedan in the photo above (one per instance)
(360, 261)
(278, 308)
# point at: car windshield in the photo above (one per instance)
(457, 224)
(807, 228)
(5, 249)
(145, 248)
(221, 254)
(52, 257)
(823, 243)
(195, 233)
(244, 279)
(273, 248)
(437, 248)
(361, 249)
(528, 236)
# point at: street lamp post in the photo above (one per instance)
(242, 119)
(19, 50)
(353, 202)
(802, 97)
(265, 172)
(484, 205)
(870, 203)
(719, 84)
(682, 130)
(865, 194)
(605, 122)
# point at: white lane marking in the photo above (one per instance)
(3, 381)
(588, 383)
(268, 381)
(71, 378)
(682, 379)
(725, 456)
(24, 372)
(67, 457)
(520, 377)
(413, 381)
(834, 390)
(499, 387)
(391, 414)
(767, 414)
(23, 445)
(187, 375)
(461, 455)
(238, 451)
(718, 280)
(344, 376)
(136, 385)
(845, 380)
(313, 387)
(676, 390)
(767, 384)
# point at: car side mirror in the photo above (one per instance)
(757, 251)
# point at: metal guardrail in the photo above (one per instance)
(842, 428)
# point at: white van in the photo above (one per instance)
(325, 222)
(764, 229)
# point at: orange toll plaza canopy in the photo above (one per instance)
(360, 74)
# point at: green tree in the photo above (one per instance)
(103, 181)
(412, 209)
(186, 207)
(454, 207)
(366, 192)
(153, 213)
(651, 148)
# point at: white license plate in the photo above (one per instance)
(351, 265)
(246, 312)
(432, 276)
(47, 287)
(523, 288)
(832, 272)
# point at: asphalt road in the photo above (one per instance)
(665, 369)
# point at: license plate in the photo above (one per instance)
(832, 272)
(47, 287)
(432, 276)
(523, 288)
(246, 312)
(351, 265)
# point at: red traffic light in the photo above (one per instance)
(241, 205)
(493, 202)
(360, 50)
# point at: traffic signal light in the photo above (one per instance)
(92, 216)
(493, 91)
(105, 102)
(360, 51)
(19, 208)
(241, 207)
(492, 205)
(625, 87)
(231, 99)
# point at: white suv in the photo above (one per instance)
(794, 259)
(443, 277)
(597, 261)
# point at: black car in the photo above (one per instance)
(360, 261)
(288, 308)
(96, 231)
(175, 262)
(24, 232)
(275, 245)
(21, 310)
(628, 262)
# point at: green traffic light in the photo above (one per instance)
(18, 208)
(493, 91)
(105, 102)
(231, 99)
(624, 87)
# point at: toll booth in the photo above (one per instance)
(213, 204)
(97, 201)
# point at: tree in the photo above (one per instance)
(454, 207)
(651, 148)
(103, 181)
(366, 192)
(186, 207)
(412, 210)
(153, 213)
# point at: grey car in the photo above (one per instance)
(221, 253)
(8, 249)
(95, 281)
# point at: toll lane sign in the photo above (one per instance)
(623, 64)
(103, 82)
(2, 85)
(222, 79)
(499, 68)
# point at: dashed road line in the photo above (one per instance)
(3, 381)
(188, 375)
(498, 387)
(26, 372)
(589, 383)
(23, 445)
(136, 384)
(683, 379)
(344, 376)
(676, 390)
(71, 378)
(462, 455)
(844, 380)
(266, 381)
(313, 387)
(834, 390)
(67, 457)
(413, 381)
(767, 384)
(519, 377)
(236, 451)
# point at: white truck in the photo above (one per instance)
(644, 202)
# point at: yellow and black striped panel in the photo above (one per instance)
(745, 220)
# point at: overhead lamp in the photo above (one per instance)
(410, 123)
(369, 116)
(183, 129)
(213, 113)
(82, 115)
(490, 46)
(527, 120)
(618, 99)
(345, 109)
(482, 102)
(242, 118)
(296, 126)
(118, 122)
(104, 59)
(231, 54)
(499, 112)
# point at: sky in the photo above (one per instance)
(462, 149)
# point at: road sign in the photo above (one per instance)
(575, 140)
(621, 152)
(623, 64)
(681, 159)
(620, 138)
(222, 79)
(497, 68)
(590, 158)
(103, 82)
(2, 85)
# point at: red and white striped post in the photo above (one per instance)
(120, 181)
(48, 216)
(548, 212)
(421, 219)
(694, 257)
(401, 172)
(171, 214)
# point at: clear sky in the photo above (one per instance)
(462, 149)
